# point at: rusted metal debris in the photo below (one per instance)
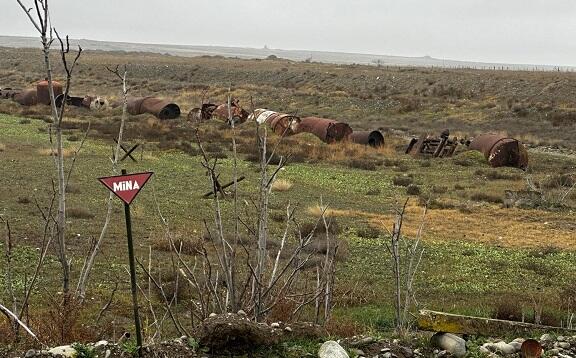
(208, 110)
(27, 97)
(281, 123)
(453, 323)
(8, 93)
(90, 102)
(501, 151)
(160, 108)
(328, 130)
(202, 114)
(372, 138)
(441, 146)
(33, 96)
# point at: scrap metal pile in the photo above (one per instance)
(499, 150)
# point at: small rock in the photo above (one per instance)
(442, 354)
(30, 353)
(519, 340)
(561, 339)
(212, 314)
(553, 352)
(100, 343)
(288, 329)
(450, 342)
(66, 351)
(356, 352)
(546, 338)
(417, 351)
(504, 348)
(387, 355)
(484, 350)
(563, 345)
(275, 325)
(332, 349)
(516, 345)
(108, 353)
(242, 313)
(361, 342)
(406, 352)
(384, 350)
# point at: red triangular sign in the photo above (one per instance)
(126, 187)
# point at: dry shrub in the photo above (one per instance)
(79, 213)
(188, 246)
(374, 191)
(67, 152)
(73, 188)
(344, 327)
(23, 200)
(495, 174)
(61, 323)
(319, 229)
(559, 181)
(173, 287)
(413, 189)
(364, 164)
(368, 232)
(282, 311)
(486, 197)
(281, 185)
(439, 189)
(508, 309)
(403, 180)
(2, 147)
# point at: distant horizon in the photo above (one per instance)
(265, 47)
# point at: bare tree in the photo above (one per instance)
(406, 257)
(87, 268)
(39, 16)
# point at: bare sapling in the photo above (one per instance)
(39, 16)
(406, 257)
(87, 268)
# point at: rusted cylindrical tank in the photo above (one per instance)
(328, 130)
(239, 114)
(501, 151)
(43, 93)
(160, 108)
(372, 138)
(281, 123)
(531, 348)
(26, 97)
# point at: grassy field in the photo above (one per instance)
(479, 255)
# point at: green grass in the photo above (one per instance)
(456, 275)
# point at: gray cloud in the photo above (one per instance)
(513, 31)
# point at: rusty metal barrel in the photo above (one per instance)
(281, 123)
(328, 130)
(27, 97)
(501, 151)
(160, 108)
(372, 138)
(43, 92)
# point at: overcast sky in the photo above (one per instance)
(509, 31)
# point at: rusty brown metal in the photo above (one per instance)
(328, 130)
(501, 150)
(281, 123)
(43, 93)
(426, 144)
(202, 114)
(160, 108)
(27, 97)
(372, 138)
(90, 102)
(531, 348)
(239, 114)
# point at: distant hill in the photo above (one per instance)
(295, 55)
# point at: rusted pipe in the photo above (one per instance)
(160, 108)
(328, 130)
(281, 123)
(372, 138)
(501, 151)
